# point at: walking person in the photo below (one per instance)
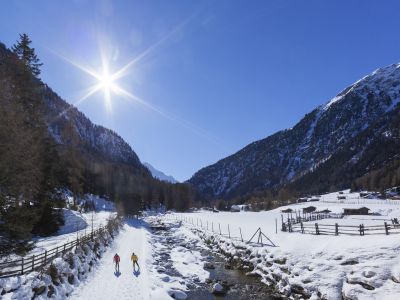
(134, 260)
(116, 261)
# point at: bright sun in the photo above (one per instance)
(106, 81)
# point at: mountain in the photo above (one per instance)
(334, 146)
(158, 174)
(91, 138)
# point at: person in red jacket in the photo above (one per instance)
(116, 261)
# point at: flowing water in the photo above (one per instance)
(239, 285)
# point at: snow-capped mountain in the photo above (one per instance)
(159, 175)
(355, 132)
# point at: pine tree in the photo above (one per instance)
(27, 54)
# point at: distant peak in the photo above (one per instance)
(159, 174)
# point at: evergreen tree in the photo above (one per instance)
(27, 54)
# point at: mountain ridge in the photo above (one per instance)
(289, 154)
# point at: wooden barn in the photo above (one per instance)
(356, 211)
(309, 209)
(301, 200)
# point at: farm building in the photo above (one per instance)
(237, 208)
(356, 211)
(325, 211)
(314, 199)
(364, 194)
(309, 209)
(301, 200)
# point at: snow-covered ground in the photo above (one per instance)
(320, 263)
(151, 282)
(67, 233)
(105, 283)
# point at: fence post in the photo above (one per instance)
(316, 229)
(240, 229)
(386, 228)
(229, 231)
(302, 227)
(336, 229)
(290, 227)
(22, 267)
(219, 225)
(212, 227)
(360, 229)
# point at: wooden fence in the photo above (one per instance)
(305, 225)
(336, 229)
(294, 218)
(36, 262)
(228, 231)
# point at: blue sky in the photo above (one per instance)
(221, 74)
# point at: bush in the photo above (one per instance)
(53, 272)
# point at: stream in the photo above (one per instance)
(237, 285)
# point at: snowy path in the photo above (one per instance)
(104, 284)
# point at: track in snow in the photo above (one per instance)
(103, 282)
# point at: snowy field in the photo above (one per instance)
(331, 265)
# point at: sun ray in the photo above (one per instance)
(90, 92)
(198, 130)
(75, 64)
(122, 72)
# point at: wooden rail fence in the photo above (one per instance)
(336, 229)
(36, 262)
(306, 225)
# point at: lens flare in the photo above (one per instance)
(107, 82)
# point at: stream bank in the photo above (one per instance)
(221, 274)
